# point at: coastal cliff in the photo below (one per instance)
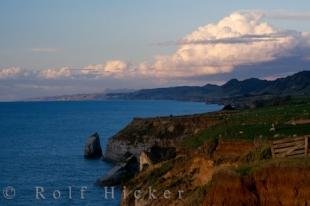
(143, 133)
(222, 158)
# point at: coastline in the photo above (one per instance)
(201, 159)
(45, 139)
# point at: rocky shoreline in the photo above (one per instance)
(156, 138)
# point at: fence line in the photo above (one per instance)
(290, 147)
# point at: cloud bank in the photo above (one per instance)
(55, 73)
(11, 72)
(113, 68)
(239, 39)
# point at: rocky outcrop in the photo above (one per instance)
(130, 165)
(144, 161)
(92, 148)
(155, 155)
(120, 173)
(116, 149)
(143, 133)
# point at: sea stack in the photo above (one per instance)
(92, 147)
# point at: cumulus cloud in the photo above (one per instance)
(11, 72)
(55, 73)
(241, 38)
(244, 39)
(112, 68)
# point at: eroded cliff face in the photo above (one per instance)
(143, 133)
(274, 185)
(190, 172)
(228, 177)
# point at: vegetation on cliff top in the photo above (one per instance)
(264, 123)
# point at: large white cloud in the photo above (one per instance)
(241, 38)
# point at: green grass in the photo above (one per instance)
(153, 177)
(260, 153)
(244, 170)
(257, 123)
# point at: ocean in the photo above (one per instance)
(42, 145)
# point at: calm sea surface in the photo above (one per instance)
(41, 144)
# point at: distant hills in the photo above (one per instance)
(81, 97)
(71, 97)
(294, 85)
(253, 88)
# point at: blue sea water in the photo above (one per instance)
(41, 144)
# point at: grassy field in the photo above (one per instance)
(262, 123)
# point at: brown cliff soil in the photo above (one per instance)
(285, 183)
(228, 188)
(190, 172)
(232, 150)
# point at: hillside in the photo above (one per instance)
(294, 85)
(233, 91)
(80, 97)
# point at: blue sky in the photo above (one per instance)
(43, 34)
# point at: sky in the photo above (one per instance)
(56, 47)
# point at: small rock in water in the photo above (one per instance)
(92, 147)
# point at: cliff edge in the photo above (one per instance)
(143, 133)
